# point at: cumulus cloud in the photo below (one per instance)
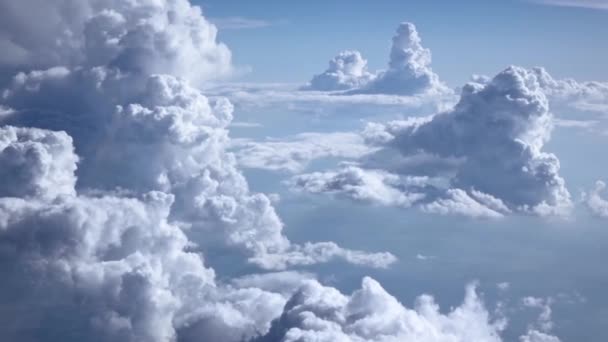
(567, 94)
(348, 70)
(169, 37)
(318, 313)
(115, 178)
(294, 153)
(409, 70)
(373, 186)
(158, 133)
(495, 132)
(597, 204)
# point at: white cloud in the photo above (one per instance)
(116, 180)
(593, 4)
(409, 70)
(294, 153)
(240, 23)
(374, 186)
(292, 98)
(348, 70)
(583, 96)
(595, 202)
(496, 131)
(114, 245)
(125, 34)
(36, 163)
(459, 202)
(317, 313)
(408, 74)
(540, 331)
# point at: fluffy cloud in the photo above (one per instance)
(374, 186)
(169, 37)
(294, 153)
(113, 267)
(115, 177)
(590, 96)
(116, 180)
(318, 313)
(36, 163)
(595, 202)
(144, 132)
(495, 132)
(348, 70)
(409, 71)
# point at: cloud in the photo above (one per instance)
(567, 94)
(318, 313)
(372, 186)
(408, 74)
(116, 181)
(584, 96)
(592, 4)
(294, 153)
(496, 131)
(409, 71)
(293, 98)
(36, 163)
(129, 35)
(595, 202)
(540, 331)
(348, 70)
(240, 23)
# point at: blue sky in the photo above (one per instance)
(466, 37)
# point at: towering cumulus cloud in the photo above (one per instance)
(347, 70)
(488, 148)
(409, 71)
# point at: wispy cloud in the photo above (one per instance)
(242, 23)
(593, 4)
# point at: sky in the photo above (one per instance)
(193, 170)
(499, 33)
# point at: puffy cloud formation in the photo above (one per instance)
(409, 71)
(488, 149)
(146, 35)
(36, 163)
(143, 132)
(115, 178)
(591, 96)
(374, 186)
(318, 313)
(348, 70)
(595, 202)
(116, 181)
(293, 154)
(106, 268)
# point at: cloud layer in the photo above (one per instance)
(488, 148)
